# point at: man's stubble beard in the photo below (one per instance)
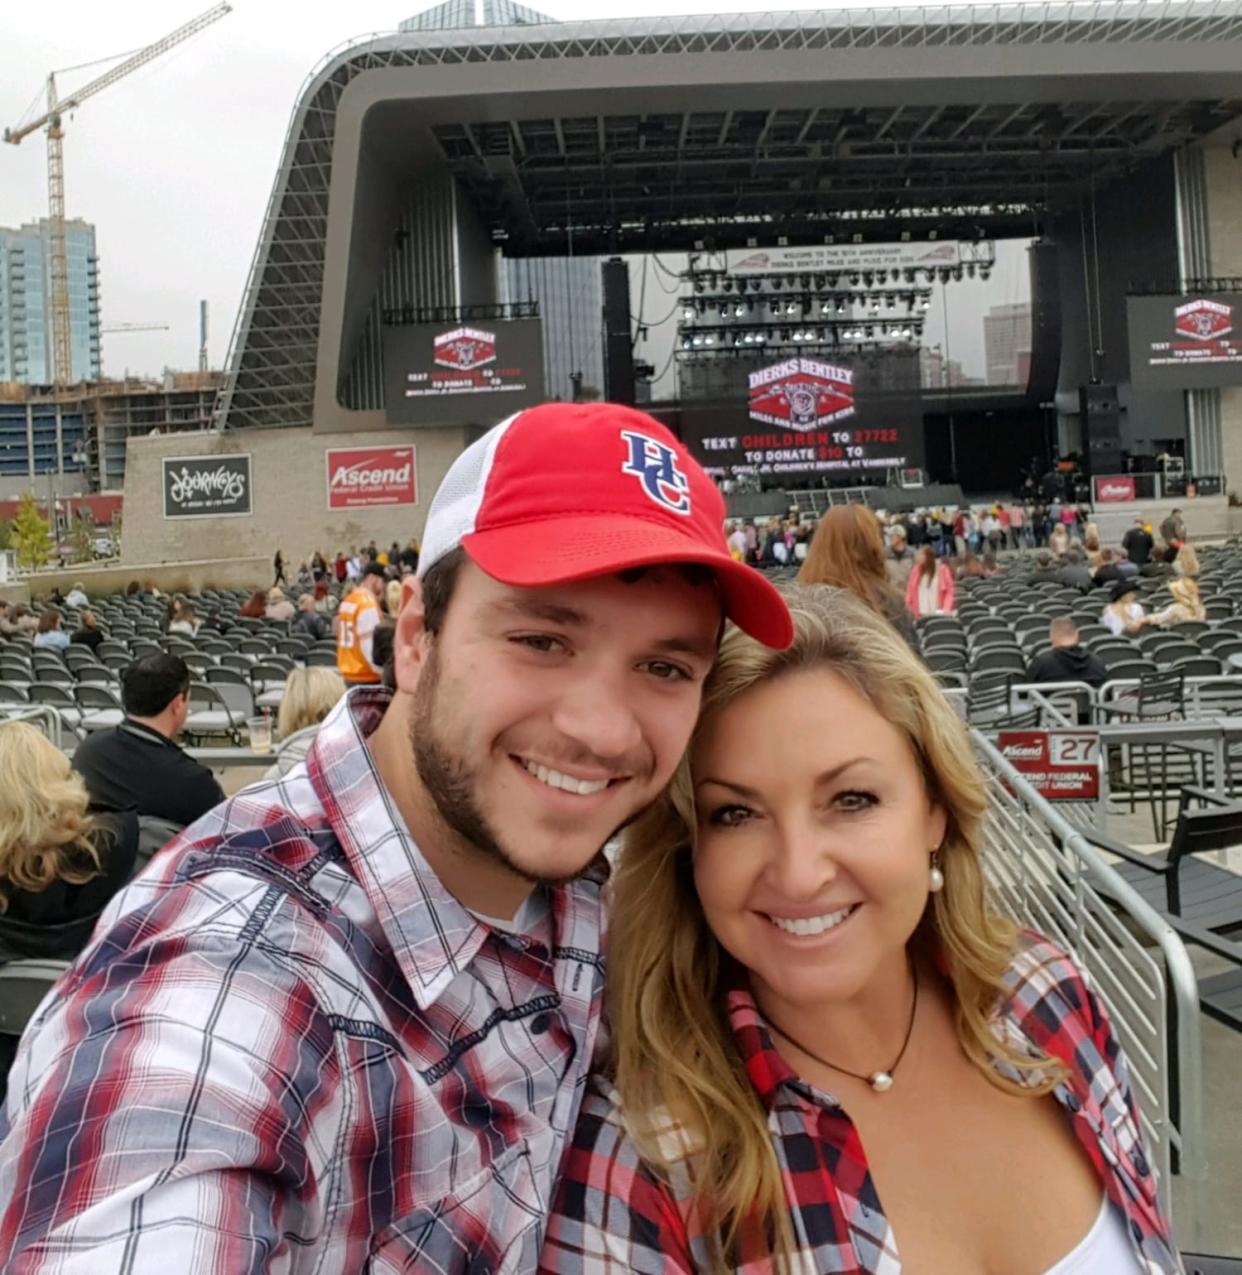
(450, 781)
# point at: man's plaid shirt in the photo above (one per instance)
(289, 1049)
(615, 1214)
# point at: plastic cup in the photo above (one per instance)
(260, 729)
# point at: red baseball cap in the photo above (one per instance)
(568, 491)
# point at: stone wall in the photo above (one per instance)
(289, 496)
(176, 577)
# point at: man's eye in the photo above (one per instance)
(667, 672)
(728, 816)
(538, 642)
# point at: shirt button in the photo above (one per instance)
(1141, 1167)
(1071, 1101)
(540, 1024)
(1137, 1231)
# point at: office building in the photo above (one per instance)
(1007, 343)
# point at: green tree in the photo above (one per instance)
(29, 535)
(6, 531)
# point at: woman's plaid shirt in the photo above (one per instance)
(614, 1214)
(289, 1049)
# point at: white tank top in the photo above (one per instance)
(1104, 1250)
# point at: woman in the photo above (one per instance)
(278, 606)
(184, 619)
(59, 864)
(76, 597)
(309, 696)
(848, 551)
(1091, 544)
(392, 598)
(50, 636)
(88, 633)
(1124, 614)
(1185, 607)
(255, 606)
(827, 1048)
(930, 589)
(1187, 562)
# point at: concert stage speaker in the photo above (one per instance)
(1045, 366)
(618, 343)
(1101, 429)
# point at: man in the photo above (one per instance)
(1111, 570)
(1074, 572)
(138, 765)
(1173, 533)
(1138, 544)
(345, 1027)
(899, 558)
(1067, 661)
(356, 620)
(308, 620)
(1045, 569)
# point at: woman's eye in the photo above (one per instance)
(728, 816)
(855, 801)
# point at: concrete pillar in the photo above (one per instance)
(1222, 173)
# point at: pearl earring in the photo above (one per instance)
(936, 877)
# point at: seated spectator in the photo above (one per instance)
(59, 864)
(306, 581)
(133, 589)
(309, 696)
(1045, 569)
(1109, 570)
(137, 765)
(1067, 661)
(1185, 607)
(50, 636)
(1187, 562)
(990, 565)
(970, 566)
(278, 606)
(325, 603)
(255, 606)
(88, 632)
(1124, 614)
(76, 597)
(1059, 540)
(1074, 572)
(7, 626)
(25, 621)
(1091, 545)
(1121, 560)
(309, 621)
(930, 589)
(184, 619)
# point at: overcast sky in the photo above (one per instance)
(174, 164)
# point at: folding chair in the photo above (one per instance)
(210, 714)
(100, 707)
(235, 689)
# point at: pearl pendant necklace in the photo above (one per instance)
(880, 1081)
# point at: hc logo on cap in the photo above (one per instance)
(654, 464)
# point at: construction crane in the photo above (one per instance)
(52, 119)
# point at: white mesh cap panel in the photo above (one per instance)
(455, 506)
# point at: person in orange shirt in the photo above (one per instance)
(356, 620)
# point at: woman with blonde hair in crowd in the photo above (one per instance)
(1186, 606)
(930, 589)
(848, 551)
(1091, 543)
(392, 598)
(310, 694)
(1187, 562)
(59, 864)
(829, 1053)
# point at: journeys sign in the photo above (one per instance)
(207, 486)
(462, 373)
(807, 416)
(1186, 342)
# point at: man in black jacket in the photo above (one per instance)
(137, 765)
(1137, 543)
(1067, 661)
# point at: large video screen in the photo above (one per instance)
(809, 416)
(1189, 342)
(472, 373)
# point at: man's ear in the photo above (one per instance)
(410, 639)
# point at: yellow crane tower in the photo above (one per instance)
(52, 120)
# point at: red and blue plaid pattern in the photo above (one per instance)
(614, 1213)
(289, 1048)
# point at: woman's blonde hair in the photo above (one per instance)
(674, 1053)
(392, 598)
(1187, 561)
(45, 832)
(1186, 591)
(309, 696)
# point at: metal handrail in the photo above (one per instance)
(44, 716)
(1089, 870)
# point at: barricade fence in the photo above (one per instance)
(1045, 875)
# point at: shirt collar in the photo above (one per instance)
(432, 935)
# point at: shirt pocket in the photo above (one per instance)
(482, 1227)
